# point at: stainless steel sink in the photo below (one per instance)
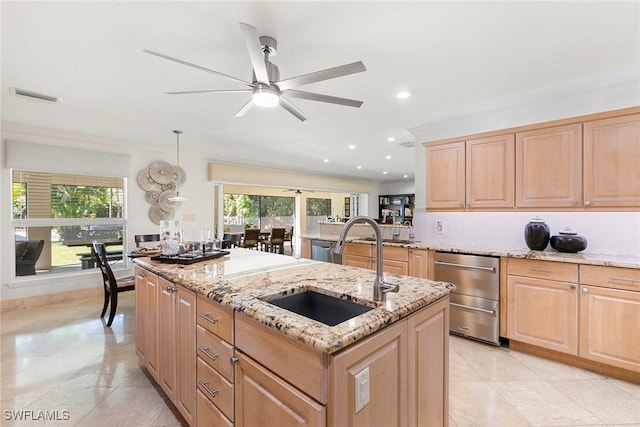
(323, 308)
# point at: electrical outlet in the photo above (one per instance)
(362, 389)
(439, 228)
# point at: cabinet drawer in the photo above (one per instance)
(395, 254)
(611, 277)
(359, 249)
(215, 351)
(549, 270)
(207, 414)
(215, 387)
(215, 318)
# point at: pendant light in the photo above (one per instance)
(177, 197)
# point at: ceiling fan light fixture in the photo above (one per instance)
(265, 96)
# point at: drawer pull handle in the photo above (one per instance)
(623, 279)
(141, 276)
(205, 350)
(205, 386)
(473, 308)
(233, 360)
(206, 317)
(473, 267)
(540, 270)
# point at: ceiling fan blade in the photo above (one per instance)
(197, 67)
(287, 105)
(329, 73)
(252, 41)
(323, 98)
(245, 108)
(186, 92)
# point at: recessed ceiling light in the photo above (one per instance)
(326, 160)
(391, 139)
(359, 167)
(352, 147)
(388, 157)
(403, 94)
(384, 172)
(406, 176)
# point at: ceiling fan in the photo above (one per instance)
(298, 191)
(266, 87)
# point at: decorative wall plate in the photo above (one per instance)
(146, 182)
(179, 176)
(161, 172)
(156, 214)
(152, 197)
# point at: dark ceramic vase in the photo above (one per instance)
(568, 241)
(536, 234)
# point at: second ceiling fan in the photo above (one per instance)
(266, 88)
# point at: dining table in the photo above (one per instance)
(88, 259)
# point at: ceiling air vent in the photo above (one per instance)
(27, 94)
(408, 144)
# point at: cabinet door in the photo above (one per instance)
(446, 176)
(356, 261)
(428, 369)
(305, 248)
(609, 325)
(490, 174)
(263, 399)
(543, 313)
(419, 263)
(167, 337)
(395, 267)
(549, 167)
(141, 312)
(385, 357)
(612, 162)
(151, 324)
(186, 354)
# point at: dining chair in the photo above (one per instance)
(112, 286)
(251, 238)
(145, 238)
(276, 240)
(288, 236)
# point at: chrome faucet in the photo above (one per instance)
(395, 231)
(380, 286)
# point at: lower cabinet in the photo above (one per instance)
(264, 399)
(610, 316)
(419, 263)
(403, 370)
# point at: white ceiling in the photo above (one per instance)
(457, 58)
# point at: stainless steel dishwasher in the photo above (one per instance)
(322, 250)
(475, 304)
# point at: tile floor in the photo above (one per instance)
(61, 358)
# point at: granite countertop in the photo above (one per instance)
(244, 279)
(624, 261)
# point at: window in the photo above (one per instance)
(258, 211)
(317, 211)
(66, 212)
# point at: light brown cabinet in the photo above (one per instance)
(610, 316)
(214, 358)
(264, 399)
(490, 172)
(147, 295)
(445, 168)
(357, 255)
(280, 382)
(419, 263)
(549, 167)
(165, 338)
(542, 304)
(588, 162)
(612, 162)
(395, 260)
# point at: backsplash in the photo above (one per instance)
(615, 233)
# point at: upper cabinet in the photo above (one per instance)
(549, 167)
(585, 163)
(446, 176)
(490, 172)
(612, 162)
(475, 174)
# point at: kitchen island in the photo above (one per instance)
(225, 355)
